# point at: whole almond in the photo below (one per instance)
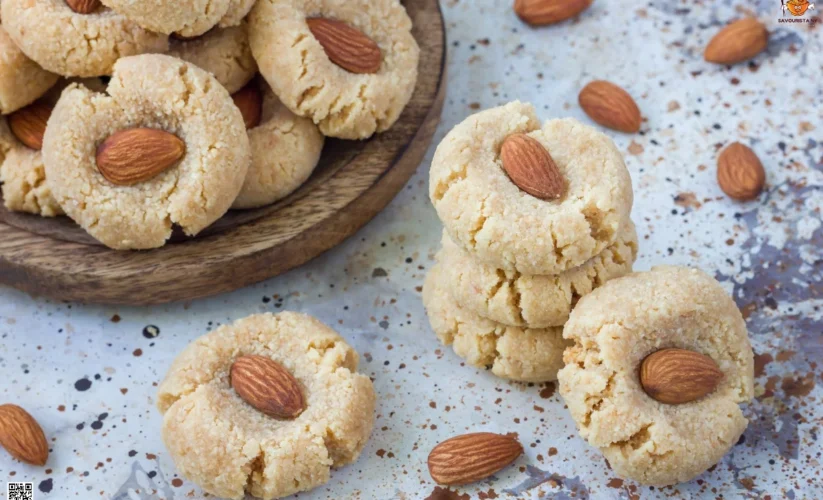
(610, 106)
(740, 173)
(22, 436)
(542, 12)
(737, 42)
(677, 376)
(249, 100)
(138, 154)
(29, 124)
(531, 168)
(346, 46)
(83, 6)
(267, 386)
(472, 457)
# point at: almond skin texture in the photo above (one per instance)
(346, 46)
(22, 436)
(249, 100)
(267, 386)
(29, 124)
(677, 376)
(543, 12)
(737, 42)
(138, 154)
(610, 106)
(472, 457)
(83, 6)
(531, 167)
(740, 173)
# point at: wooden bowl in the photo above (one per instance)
(353, 182)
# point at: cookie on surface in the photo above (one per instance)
(165, 95)
(614, 329)
(498, 223)
(73, 44)
(536, 301)
(22, 81)
(343, 104)
(285, 149)
(187, 18)
(259, 454)
(520, 354)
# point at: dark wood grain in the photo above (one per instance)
(354, 181)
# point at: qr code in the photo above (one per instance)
(21, 491)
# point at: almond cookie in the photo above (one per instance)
(265, 456)
(186, 18)
(22, 81)
(159, 112)
(536, 301)
(614, 329)
(73, 44)
(237, 11)
(520, 354)
(346, 94)
(285, 148)
(488, 215)
(225, 53)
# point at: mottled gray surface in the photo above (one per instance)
(89, 374)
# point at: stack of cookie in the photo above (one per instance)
(535, 217)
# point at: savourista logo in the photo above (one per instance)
(796, 9)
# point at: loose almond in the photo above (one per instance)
(740, 173)
(543, 12)
(22, 436)
(472, 457)
(677, 376)
(267, 386)
(29, 124)
(346, 46)
(83, 6)
(610, 106)
(737, 42)
(531, 168)
(249, 100)
(138, 154)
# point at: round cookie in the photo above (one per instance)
(285, 148)
(225, 53)
(536, 301)
(498, 223)
(22, 81)
(614, 328)
(343, 104)
(148, 91)
(258, 454)
(520, 354)
(74, 44)
(187, 18)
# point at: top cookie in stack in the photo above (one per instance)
(535, 217)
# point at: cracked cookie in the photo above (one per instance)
(535, 301)
(225, 53)
(499, 223)
(520, 354)
(204, 402)
(70, 43)
(349, 65)
(186, 18)
(285, 148)
(22, 81)
(166, 146)
(615, 330)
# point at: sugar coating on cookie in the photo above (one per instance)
(225, 53)
(22, 81)
(187, 18)
(258, 454)
(342, 104)
(521, 354)
(72, 44)
(536, 301)
(488, 215)
(614, 328)
(285, 148)
(148, 91)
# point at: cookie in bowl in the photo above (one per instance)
(186, 18)
(22, 81)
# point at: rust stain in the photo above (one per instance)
(483, 495)
(635, 148)
(673, 106)
(760, 362)
(798, 386)
(747, 483)
(552, 451)
(615, 483)
(785, 355)
(446, 494)
(687, 200)
(177, 482)
(548, 390)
